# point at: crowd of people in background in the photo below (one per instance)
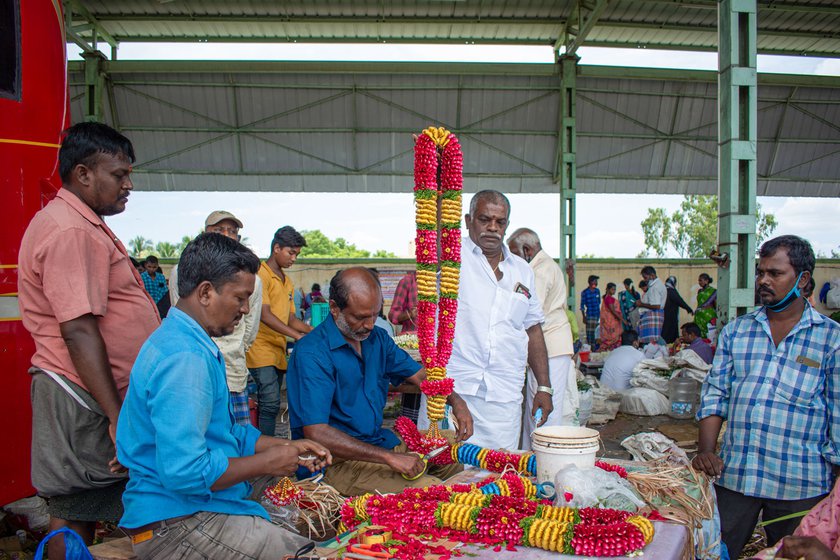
(653, 315)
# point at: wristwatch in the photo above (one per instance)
(545, 389)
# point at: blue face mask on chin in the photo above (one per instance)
(791, 296)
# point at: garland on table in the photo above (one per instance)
(493, 460)
(438, 166)
(464, 513)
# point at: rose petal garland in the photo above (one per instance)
(463, 513)
(438, 181)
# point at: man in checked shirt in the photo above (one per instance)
(776, 380)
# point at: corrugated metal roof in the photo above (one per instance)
(784, 26)
(348, 127)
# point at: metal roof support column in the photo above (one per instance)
(737, 140)
(565, 173)
(94, 85)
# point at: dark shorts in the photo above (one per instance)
(71, 449)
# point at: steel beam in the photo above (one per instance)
(94, 85)
(583, 18)
(87, 33)
(565, 170)
(737, 147)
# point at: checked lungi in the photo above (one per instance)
(591, 324)
(239, 407)
(650, 325)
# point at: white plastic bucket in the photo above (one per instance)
(558, 446)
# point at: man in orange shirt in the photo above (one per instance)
(266, 358)
(85, 305)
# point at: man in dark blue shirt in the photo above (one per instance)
(590, 307)
(337, 384)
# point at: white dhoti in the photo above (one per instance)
(496, 425)
(561, 372)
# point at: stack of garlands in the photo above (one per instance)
(438, 166)
(513, 517)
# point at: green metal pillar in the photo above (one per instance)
(94, 85)
(737, 141)
(565, 173)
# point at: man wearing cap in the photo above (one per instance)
(234, 345)
(590, 307)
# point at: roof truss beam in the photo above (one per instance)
(87, 33)
(580, 22)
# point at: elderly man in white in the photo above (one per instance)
(498, 331)
(551, 290)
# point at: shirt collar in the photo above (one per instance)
(539, 258)
(476, 250)
(809, 317)
(79, 206)
(334, 336)
(191, 325)
(652, 282)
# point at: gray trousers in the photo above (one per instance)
(216, 535)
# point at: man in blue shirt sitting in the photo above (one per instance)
(337, 385)
(187, 494)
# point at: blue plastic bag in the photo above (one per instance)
(74, 547)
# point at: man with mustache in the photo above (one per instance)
(234, 346)
(499, 329)
(776, 380)
(337, 384)
(84, 304)
(189, 462)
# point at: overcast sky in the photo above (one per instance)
(608, 225)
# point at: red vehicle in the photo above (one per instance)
(34, 109)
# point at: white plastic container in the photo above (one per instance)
(557, 446)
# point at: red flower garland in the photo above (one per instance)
(438, 169)
(458, 513)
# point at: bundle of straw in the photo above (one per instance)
(664, 484)
(320, 506)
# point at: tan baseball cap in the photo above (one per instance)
(220, 215)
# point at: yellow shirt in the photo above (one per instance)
(269, 348)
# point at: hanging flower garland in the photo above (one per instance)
(463, 513)
(438, 167)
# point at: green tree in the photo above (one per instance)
(691, 231)
(183, 243)
(139, 246)
(167, 250)
(319, 245)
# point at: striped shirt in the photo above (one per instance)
(782, 406)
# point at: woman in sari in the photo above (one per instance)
(627, 301)
(611, 320)
(706, 299)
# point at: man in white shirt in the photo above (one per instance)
(551, 291)
(498, 332)
(618, 367)
(235, 345)
(651, 307)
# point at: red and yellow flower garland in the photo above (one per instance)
(463, 513)
(438, 166)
